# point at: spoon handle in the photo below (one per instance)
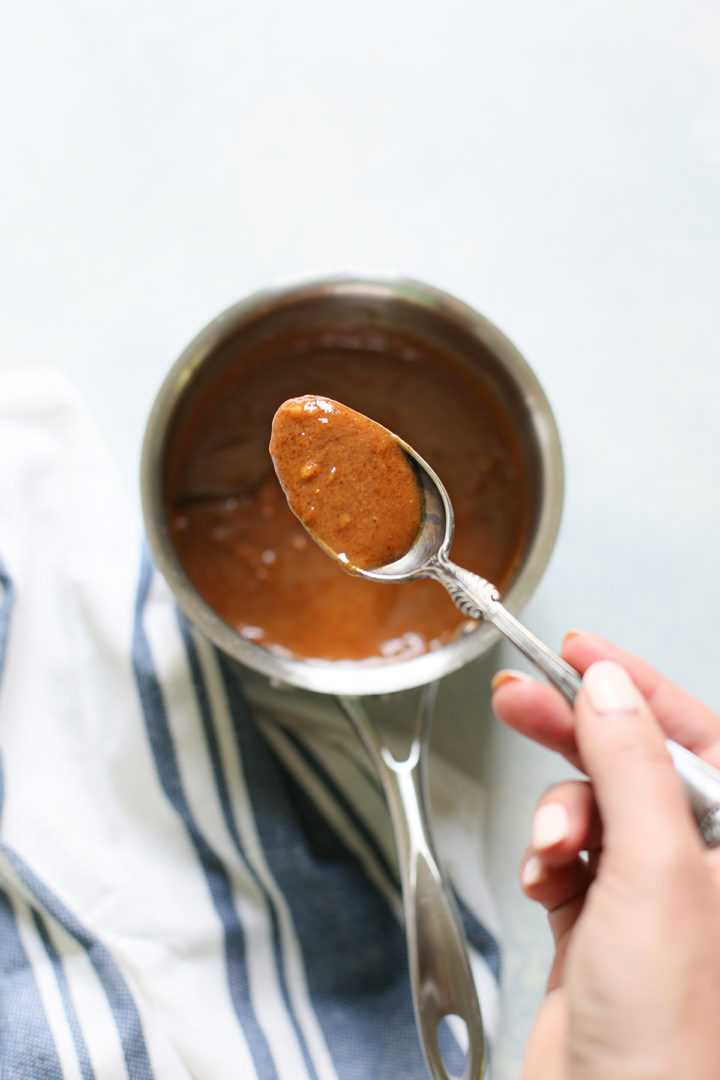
(479, 599)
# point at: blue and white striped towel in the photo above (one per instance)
(190, 886)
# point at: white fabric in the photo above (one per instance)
(148, 924)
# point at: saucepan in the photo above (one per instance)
(441, 979)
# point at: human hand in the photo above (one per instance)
(634, 989)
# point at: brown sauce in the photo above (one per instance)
(348, 481)
(247, 554)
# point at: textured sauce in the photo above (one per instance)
(348, 481)
(248, 555)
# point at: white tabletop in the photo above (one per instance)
(555, 165)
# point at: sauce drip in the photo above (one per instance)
(347, 479)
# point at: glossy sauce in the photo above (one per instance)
(348, 481)
(247, 554)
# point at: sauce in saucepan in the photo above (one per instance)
(247, 554)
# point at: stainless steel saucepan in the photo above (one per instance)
(440, 973)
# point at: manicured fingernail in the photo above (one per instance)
(609, 689)
(571, 634)
(550, 825)
(534, 872)
(508, 675)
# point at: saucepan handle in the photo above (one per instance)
(440, 976)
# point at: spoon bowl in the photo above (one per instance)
(435, 534)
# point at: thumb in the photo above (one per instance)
(642, 803)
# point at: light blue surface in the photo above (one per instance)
(556, 165)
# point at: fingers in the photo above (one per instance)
(553, 871)
(561, 891)
(535, 710)
(565, 824)
(640, 798)
(541, 713)
(680, 715)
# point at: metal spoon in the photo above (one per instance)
(480, 599)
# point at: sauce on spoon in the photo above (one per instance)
(348, 480)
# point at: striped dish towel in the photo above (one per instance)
(197, 874)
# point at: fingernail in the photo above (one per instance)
(507, 676)
(534, 872)
(550, 825)
(571, 634)
(609, 689)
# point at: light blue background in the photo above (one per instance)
(557, 165)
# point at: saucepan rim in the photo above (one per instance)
(338, 677)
